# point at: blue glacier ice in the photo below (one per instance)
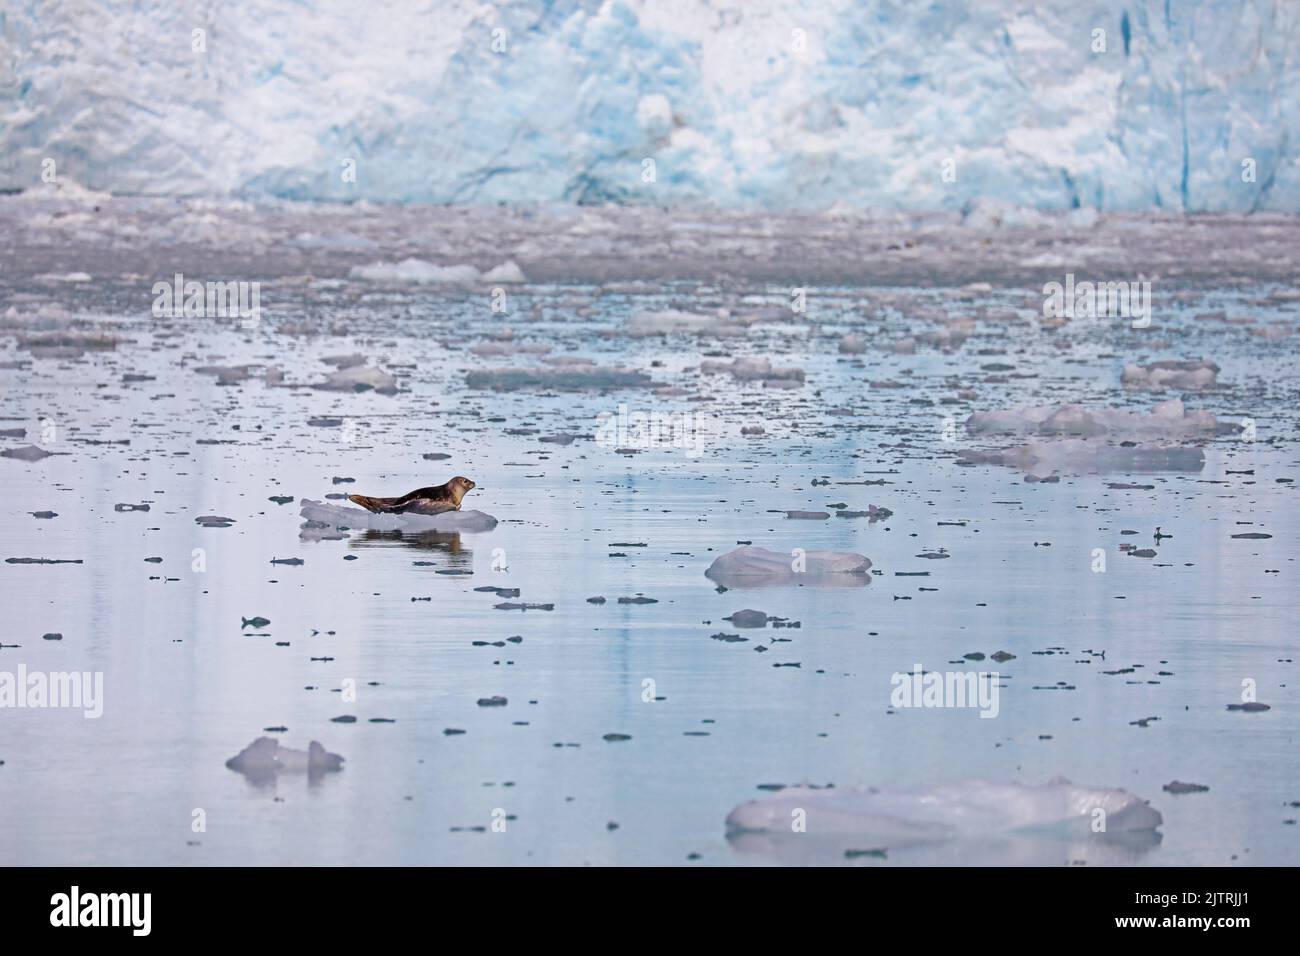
(860, 104)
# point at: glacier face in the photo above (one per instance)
(863, 104)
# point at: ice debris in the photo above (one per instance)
(359, 378)
(264, 758)
(646, 324)
(414, 270)
(756, 369)
(570, 375)
(1166, 420)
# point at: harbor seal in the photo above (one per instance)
(421, 501)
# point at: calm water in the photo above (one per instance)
(185, 687)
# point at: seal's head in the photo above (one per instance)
(458, 487)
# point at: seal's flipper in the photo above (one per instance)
(377, 505)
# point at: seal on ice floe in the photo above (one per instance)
(421, 501)
(323, 516)
(264, 758)
(749, 567)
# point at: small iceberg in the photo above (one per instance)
(264, 759)
(1192, 375)
(26, 453)
(345, 518)
(751, 368)
(646, 324)
(1166, 420)
(750, 567)
(359, 378)
(508, 271)
(970, 822)
(975, 808)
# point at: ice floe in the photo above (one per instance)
(752, 567)
(419, 271)
(853, 344)
(1166, 420)
(507, 272)
(569, 375)
(1089, 456)
(967, 809)
(26, 453)
(1171, 373)
(415, 270)
(340, 516)
(359, 378)
(684, 323)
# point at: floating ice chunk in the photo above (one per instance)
(1090, 456)
(853, 344)
(568, 375)
(1191, 374)
(486, 349)
(415, 270)
(972, 809)
(231, 374)
(49, 316)
(508, 271)
(752, 368)
(359, 378)
(750, 567)
(1167, 419)
(50, 341)
(952, 336)
(340, 516)
(264, 758)
(676, 323)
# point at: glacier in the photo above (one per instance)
(822, 104)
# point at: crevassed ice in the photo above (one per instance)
(812, 103)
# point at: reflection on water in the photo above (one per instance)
(1020, 849)
(448, 542)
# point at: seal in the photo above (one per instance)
(421, 501)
